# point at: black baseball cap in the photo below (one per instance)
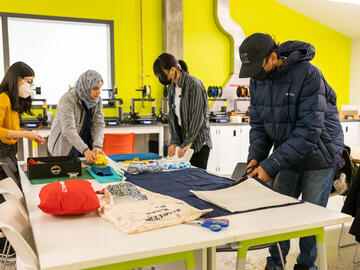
(252, 51)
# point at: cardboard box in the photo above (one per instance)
(349, 115)
(52, 167)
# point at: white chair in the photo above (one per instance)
(18, 232)
(11, 192)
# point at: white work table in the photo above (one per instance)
(85, 241)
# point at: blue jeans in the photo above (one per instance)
(315, 187)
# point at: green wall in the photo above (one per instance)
(206, 48)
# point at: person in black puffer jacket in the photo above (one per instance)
(293, 109)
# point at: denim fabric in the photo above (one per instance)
(314, 187)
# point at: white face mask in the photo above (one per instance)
(25, 90)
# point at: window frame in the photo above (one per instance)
(5, 34)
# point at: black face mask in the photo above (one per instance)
(262, 75)
(164, 81)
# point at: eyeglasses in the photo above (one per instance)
(31, 82)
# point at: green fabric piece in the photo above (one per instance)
(106, 179)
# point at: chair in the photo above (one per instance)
(18, 232)
(7, 170)
(237, 174)
(119, 143)
(11, 192)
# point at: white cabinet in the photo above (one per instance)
(230, 146)
(351, 133)
(244, 142)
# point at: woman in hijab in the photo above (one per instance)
(78, 128)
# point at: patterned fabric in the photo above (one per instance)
(86, 82)
(137, 167)
(195, 127)
(123, 189)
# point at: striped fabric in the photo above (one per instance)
(194, 127)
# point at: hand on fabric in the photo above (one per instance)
(34, 136)
(171, 150)
(97, 150)
(260, 173)
(90, 156)
(182, 151)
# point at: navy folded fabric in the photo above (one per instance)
(178, 184)
(141, 156)
(102, 171)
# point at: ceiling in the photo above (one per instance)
(341, 17)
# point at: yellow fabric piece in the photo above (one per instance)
(101, 159)
(9, 119)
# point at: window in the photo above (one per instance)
(60, 51)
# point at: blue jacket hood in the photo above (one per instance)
(294, 51)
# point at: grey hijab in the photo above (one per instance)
(87, 81)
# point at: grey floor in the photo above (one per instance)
(337, 258)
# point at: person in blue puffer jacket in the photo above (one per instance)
(292, 109)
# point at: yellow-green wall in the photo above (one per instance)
(207, 50)
(126, 17)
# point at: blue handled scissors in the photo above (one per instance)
(215, 225)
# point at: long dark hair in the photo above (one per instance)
(167, 61)
(10, 85)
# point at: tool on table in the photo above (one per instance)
(215, 225)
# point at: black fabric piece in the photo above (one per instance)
(200, 159)
(177, 184)
(85, 133)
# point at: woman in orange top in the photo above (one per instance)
(15, 99)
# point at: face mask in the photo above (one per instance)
(262, 75)
(25, 90)
(164, 81)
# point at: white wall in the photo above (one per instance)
(354, 95)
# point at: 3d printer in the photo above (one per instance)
(41, 118)
(242, 102)
(214, 96)
(113, 102)
(145, 113)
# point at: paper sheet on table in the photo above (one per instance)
(247, 195)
